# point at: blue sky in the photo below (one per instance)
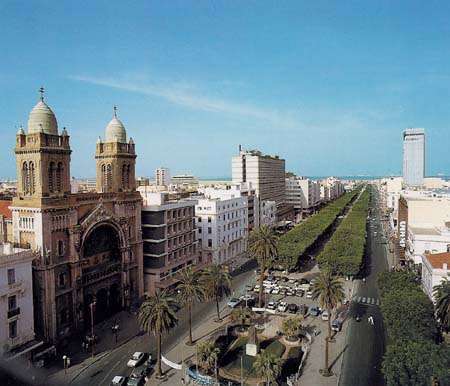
(327, 85)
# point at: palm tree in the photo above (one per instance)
(262, 245)
(441, 294)
(268, 366)
(328, 289)
(157, 316)
(217, 284)
(241, 315)
(291, 327)
(190, 289)
(207, 355)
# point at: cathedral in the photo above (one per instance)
(89, 244)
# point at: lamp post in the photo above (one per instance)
(92, 308)
(66, 363)
(242, 372)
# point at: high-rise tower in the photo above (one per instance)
(413, 157)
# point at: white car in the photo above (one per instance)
(276, 290)
(136, 359)
(118, 380)
(267, 290)
(282, 307)
(325, 315)
(309, 295)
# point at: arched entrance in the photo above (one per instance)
(101, 273)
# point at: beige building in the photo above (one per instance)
(89, 245)
(169, 238)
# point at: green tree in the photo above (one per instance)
(292, 327)
(262, 245)
(157, 316)
(441, 294)
(330, 292)
(391, 280)
(207, 355)
(268, 366)
(408, 362)
(217, 284)
(190, 289)
(408, 314)
(241, 315)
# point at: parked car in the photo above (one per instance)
(267, 290)
(233, 302)
(336, 324)
(118, 380)
(137, 358)
(299, 292)
(248, 300)
(309, 295)
(292, 308)
(291, 281)
(276, 290)
(140, 381)
(271, 306)
(282, 307)
(314, 311)
(290, 292)
(325, 315)
(304, 281)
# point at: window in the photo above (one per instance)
(200, 230)
(13, 329)
(209, 219)
(12, 303)
(209, 230)
(209, 243)
(199, 219)
(60, 248)
(62, 279)
(11, 276)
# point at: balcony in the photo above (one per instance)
(13, 312)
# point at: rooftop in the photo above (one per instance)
(4, 210)
(437, 260)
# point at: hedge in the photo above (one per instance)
(293, 244)
(344, 251)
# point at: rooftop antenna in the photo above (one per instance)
(115, 111)
(41, 91)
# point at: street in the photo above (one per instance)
(365, 342)
(101, 372)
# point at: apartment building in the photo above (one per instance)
(303, 194)
(435, 269)
(162, 176)
(169, 238)
(266, 174)
(16, 302)
(222, 226)
(413, 157)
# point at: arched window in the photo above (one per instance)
(128, 176)
(59, 177)
(51, 177)
(25, 178)
(31, 178)
(124, 177)
(108, 178)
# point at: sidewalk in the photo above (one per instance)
(316, 357)
(81, 360)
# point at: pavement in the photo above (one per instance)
(365, 342)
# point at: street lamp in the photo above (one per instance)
(92, 308)
(115, 329)
(66, 362)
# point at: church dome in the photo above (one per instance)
(42, 118)
(115, 131)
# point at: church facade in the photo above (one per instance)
(90, 262)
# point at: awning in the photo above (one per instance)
(22, 349)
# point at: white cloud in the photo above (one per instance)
(183, 95)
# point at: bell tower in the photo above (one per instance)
(115, 159)
(42, 155)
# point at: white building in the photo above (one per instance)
(16, 301)
(268, 213)
(162, 176)
(222, 226)
(184, 179)
(266, 174)
(435, 268)
(303, 193)
(413, 157)
(426, 240)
